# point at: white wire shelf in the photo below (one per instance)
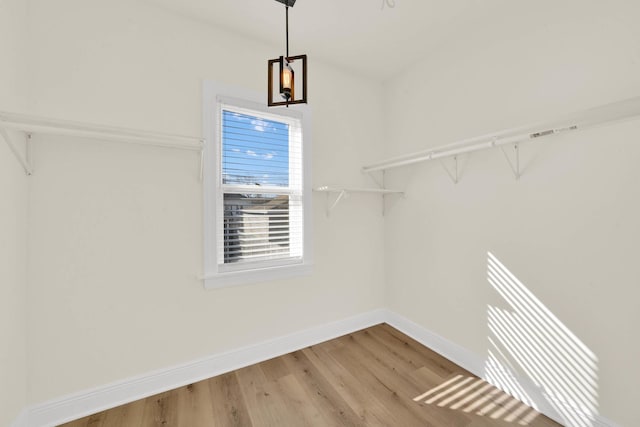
(40, 125)
(343, 192)
(614, 112)
(356, 190)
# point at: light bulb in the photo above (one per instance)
(286, 79)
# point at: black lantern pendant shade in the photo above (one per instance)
(287, 76)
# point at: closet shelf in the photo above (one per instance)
(580, 120)
(39, 125)
(355, 190)
(343, 192)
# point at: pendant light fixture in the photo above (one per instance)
(292, 85)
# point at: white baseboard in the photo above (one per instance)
(101, 398)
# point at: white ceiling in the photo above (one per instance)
(368, 36)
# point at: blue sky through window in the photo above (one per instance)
(255, 151)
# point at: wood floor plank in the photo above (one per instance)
(400, 371)
(404, 388)
(131, 415)
(295, 398)
(194, 405)
(374, 377)
(96, 420)
(365, 369)
(320, 391)
(228, 405)
(274, 369)
(267, 406)
(160, 410)
(114, 417)
(82, 422)
(368, 408)
(409, 349)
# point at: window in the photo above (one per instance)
(257, 196)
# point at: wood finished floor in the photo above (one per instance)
(374, 377)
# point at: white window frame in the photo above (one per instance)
(219, 275)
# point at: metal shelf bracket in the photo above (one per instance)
(24, 160)
(452, 174)
(513, 164)
(341, 195)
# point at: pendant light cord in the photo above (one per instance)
(286, 8)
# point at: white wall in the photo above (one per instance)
(116, 230)
(13, 219)
(568, 229)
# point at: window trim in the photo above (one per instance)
(217, 276)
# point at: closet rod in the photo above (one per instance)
(34, 125)
(584, 119)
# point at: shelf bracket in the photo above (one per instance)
(378, 181)
(452, 174)
(513, 164)
(25, 160)
(341, 195)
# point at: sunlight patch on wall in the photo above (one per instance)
(529, 339)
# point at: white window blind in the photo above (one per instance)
(260, 202)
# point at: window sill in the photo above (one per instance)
(247, 277)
